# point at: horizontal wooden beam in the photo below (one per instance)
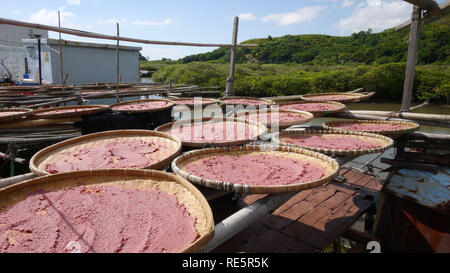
(430, 13)
(82, 33)
(424, 4)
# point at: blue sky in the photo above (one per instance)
(209, 21)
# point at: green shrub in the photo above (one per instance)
(431, 83)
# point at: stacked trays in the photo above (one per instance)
(13, 114)
(68, 111)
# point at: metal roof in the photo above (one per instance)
(50, 41)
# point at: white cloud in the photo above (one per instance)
(50, 17)
(347, 3)
(298, 16)
(377, 15)
(113, 21)
(246, 16)
(73, 2)
(16, 12)
(154, 23)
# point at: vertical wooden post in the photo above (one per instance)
(39, 59)
(60, 55)
(117, 65)
(230, 79)
(412, 56)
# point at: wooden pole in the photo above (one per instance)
(109, 37)
(411, 61)
(39, 58)
(60, 55)
(230, 79)
(117, 65)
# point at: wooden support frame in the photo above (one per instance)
(230, 79)
(416, 18)
(110, 37)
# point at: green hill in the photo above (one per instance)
(363, 47)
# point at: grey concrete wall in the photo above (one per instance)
(13, 35)
(94, 65)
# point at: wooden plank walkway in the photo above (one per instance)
(309, 221)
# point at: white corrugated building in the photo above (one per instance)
(83, 62)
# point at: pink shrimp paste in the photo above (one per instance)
(332, 97)
(332, 142)
(314, 107)
(245, 101)
(370, 126)
(97, 219)
(274, 117)
(141, 106)
(261, 169)
(192, 101)
(115, 154)
(213, 132)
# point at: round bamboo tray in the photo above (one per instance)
(206, 101)
(318, 113)
(223, 101)
(385, 142)
(345, 97)
(185, 192)
(169, 105)
(304, 117)
(331, 125)
(82, 110)
(24, 112)
(46, 155)
(259, 128)
(330, 166)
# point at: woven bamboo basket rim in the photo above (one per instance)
(103, 85)
(20, 87)
(306, 115)
(223, 100)
(84, 110)
(24, 113)
(386, 142)
(209, 101)
(58, 87)
(196, 144)
(330, 125)
(38, 158)
(317, 113)
(329, 164)
(355, 96)
(169, 105)
(186, 193)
